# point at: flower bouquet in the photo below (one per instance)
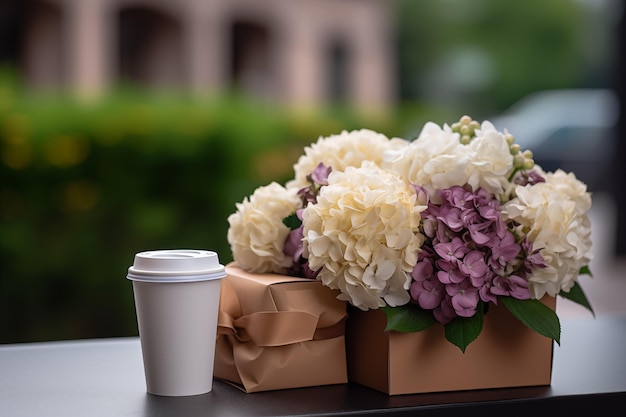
(438, 229)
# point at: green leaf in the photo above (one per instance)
(536, 315)
(292, 221)
(408, 318)
(462, 331)
(577, 295)
(585, 271)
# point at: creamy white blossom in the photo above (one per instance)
(553, 215)
(491, 161)
(363, 236)
(349, 148)
(438, 160)
(257, 233)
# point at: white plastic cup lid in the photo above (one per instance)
(176, 265)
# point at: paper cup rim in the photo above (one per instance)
(176, 265)
(170, 277)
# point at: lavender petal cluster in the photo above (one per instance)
(293, 246)
(470, 255)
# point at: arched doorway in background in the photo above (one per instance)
(150, 48)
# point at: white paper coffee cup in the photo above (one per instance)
(177, 296)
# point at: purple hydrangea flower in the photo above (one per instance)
(470, 255)
(293, 246)
(318, 178)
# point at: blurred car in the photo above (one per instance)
(574, 130)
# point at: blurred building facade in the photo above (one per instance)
(305, 52)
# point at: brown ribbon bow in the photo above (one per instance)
(275, 328)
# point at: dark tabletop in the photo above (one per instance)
(104, 377)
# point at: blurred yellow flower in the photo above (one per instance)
(66, 151)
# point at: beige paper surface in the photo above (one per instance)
(277, 332)
(506, 354)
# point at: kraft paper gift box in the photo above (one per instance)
(277, 332)
(505, 354)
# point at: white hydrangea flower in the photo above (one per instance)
(554, 217)
(349, 148)
(491, 161)
(438, 160)
(257, 234)
(363, 236)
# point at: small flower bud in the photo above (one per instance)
(515, 148)
(529, 164)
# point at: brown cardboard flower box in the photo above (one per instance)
(506, 354)
(277, 331)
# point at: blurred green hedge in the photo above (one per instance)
(86, 186)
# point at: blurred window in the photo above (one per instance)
(590, 143)
(150, 47)
(251, 69)
(338, 56)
